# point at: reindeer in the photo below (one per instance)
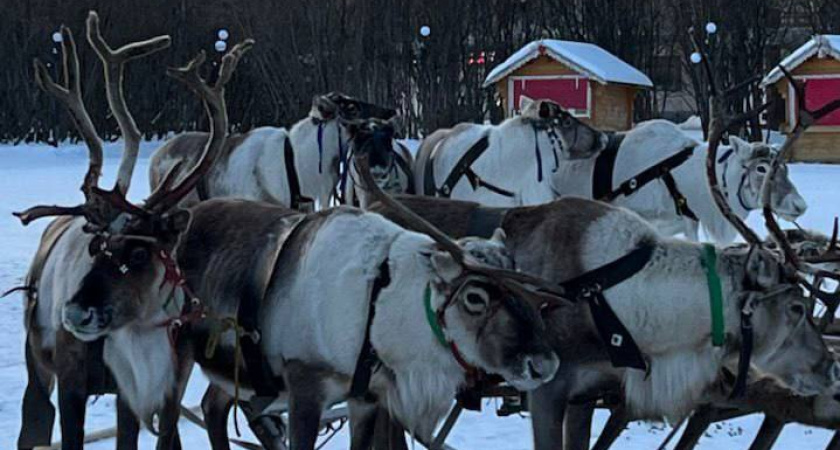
(442, 304)
(495, 165)
(796, 265)
(572, 237)
(388, 166)
(658, 172)
(52, 352)
(297, 168)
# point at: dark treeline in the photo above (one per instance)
(373, 49)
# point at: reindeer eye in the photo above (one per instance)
(762, 169)
(475, 301)
(567, 122)
(138, 257)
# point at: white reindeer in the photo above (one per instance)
(740, 168)
(510, 164)
(299, 168)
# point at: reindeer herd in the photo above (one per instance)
(535, 256)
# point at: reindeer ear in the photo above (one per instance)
(499, 236)
(762, 269)
(742, 148)
(444, 266)
(323, 107)
(396, 123)
(174, 224)
(525, 103)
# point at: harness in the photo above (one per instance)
(724, 159)
(368, 359)
(602, 180)
(589, 287)
(296, 198)
(463, 168)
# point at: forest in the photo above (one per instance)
(373, 49)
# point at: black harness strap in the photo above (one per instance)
(744, 355)
(462, 168)
(360, 386)
(602, 177)
(405, 167)
(590, 287)
(680, 202)
(602, 188)
(296, 199)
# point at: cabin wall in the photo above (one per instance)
(612, 105)
(819, 143)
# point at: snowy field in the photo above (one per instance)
(37, 174)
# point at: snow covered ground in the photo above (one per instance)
(38, 174)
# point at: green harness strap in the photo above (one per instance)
(431, 317)
(715, 293)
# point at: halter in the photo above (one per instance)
(724, 159)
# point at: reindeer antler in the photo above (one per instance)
(719, 122)
(806, 119)
(164, 198)
(70, 95)
(114, 64)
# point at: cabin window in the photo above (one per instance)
(819, 91)
(572, 92)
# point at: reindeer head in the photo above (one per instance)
(131, 246)
(336, 105)
(578, 140)
(488, 313)
(789, 345)
(744, 185)
(375, 138)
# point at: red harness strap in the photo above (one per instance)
(192, 310)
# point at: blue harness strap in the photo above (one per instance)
(321, 146)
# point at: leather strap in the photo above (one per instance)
(680, 202)
(602, 188)
(296, 199)
(462, 168)
(360, 386)
(621, 348)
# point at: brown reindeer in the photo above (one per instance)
(52, 352)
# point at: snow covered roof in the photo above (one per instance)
(585, 58)
(821, 45)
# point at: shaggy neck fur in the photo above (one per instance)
(141, 357)
(426, 375)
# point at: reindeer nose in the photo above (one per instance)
(541, 367)
(78, 315)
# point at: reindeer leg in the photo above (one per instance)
(72, 403)
(767, 435)
(548, 407)
(619, 418)
(697, 425)
(38, 412)
(364, 418)
(389, 434)
(216, 405)
(128, 427)
(577, 426)
(170, 412)
(306, 403)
